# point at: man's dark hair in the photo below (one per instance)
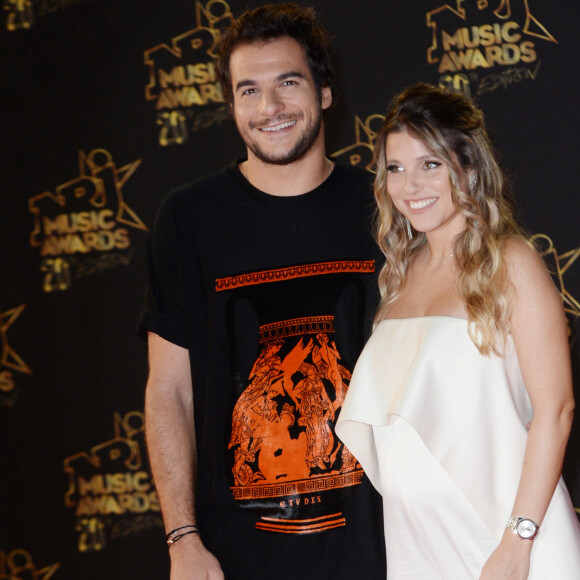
(274, 21)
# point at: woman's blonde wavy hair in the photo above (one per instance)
(453, 128)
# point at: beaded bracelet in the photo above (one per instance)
(174, 534)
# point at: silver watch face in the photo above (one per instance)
(526, 529)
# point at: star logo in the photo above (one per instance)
(558, 265)
(10, 358)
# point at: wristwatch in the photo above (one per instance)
(523, 527)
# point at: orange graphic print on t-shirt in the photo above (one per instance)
(287, 462)
(259, 422)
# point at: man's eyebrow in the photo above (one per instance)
(245, 83)
(288, 75)
(281, 77)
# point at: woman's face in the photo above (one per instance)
(419, 185)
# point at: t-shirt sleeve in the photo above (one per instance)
(164, 310)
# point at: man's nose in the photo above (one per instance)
(272, 104)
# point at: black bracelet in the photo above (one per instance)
(174, 539)
(174, 534)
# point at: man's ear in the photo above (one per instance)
(325, 97)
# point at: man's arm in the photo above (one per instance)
(170, 433)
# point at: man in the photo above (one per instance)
(248, 269)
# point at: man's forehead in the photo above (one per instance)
(269, 57)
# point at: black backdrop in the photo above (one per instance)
(105, 106)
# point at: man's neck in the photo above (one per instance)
(295, 178)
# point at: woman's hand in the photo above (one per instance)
(510, 560)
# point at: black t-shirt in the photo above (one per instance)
(273, 298)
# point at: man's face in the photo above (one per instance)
(276, 105)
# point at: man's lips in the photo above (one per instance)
(278, 126)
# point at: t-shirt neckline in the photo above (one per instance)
(312, 196)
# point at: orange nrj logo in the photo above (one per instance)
(182, 77)
(20, 14)
(360, 153)
(479, 46)
(82, 228)
(110, 484)
(19, 565)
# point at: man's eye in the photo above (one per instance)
(249, 92)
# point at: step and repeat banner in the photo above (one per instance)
(105, 106)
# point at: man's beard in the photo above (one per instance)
(302, 146)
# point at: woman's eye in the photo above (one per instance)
(432, 164)
(394, 168)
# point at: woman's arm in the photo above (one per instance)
(539, 330)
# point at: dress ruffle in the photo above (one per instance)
(469, 410)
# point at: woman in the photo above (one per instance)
(461, 403)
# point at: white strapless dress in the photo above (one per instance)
(440, 431)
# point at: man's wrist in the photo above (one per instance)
(189, 546)
(177, 533)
